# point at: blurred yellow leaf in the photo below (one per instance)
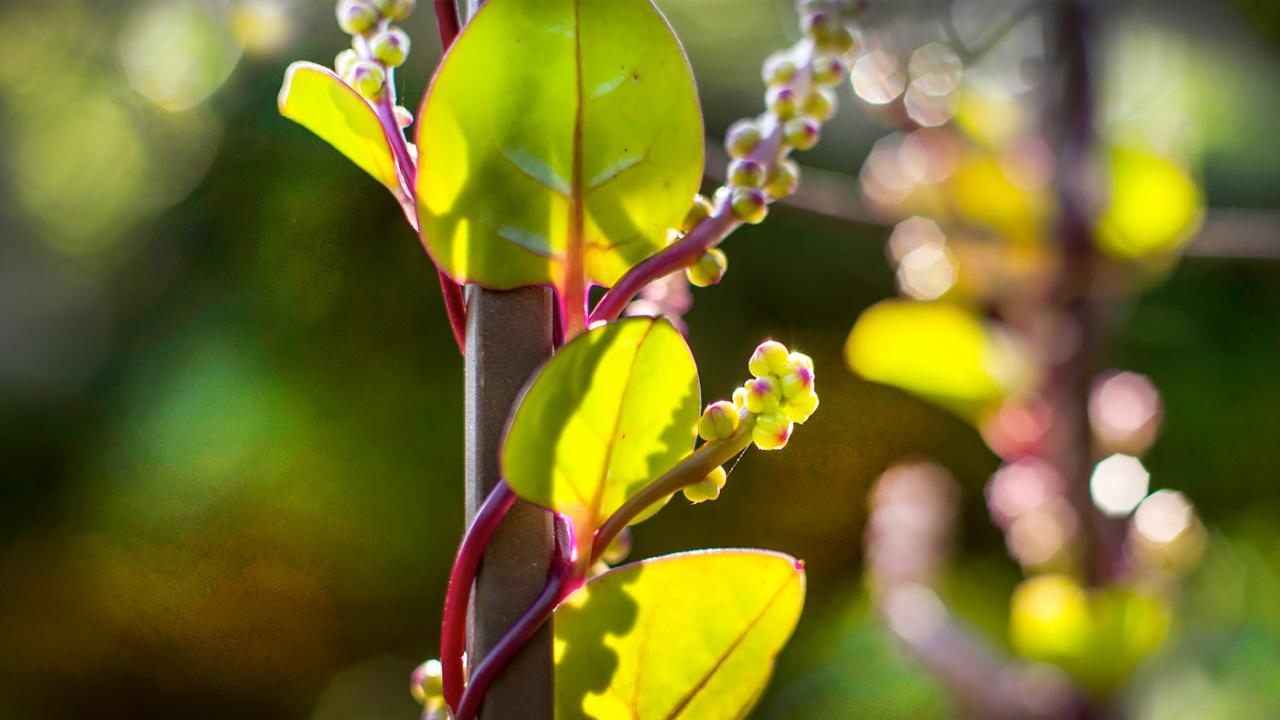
(1097, 637)
(937, 350)
(1154, 205)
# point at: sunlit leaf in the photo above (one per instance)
(1154, 205)
(613, 410)
(542, 110)
(683, 636)
(317, 99)
(1098, 637)
(937, 350)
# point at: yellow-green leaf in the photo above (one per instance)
(317, 99)
(691, 636)
(940, 351)
(550, 112)
(614, 409)
(1098, 637)
(1154, 206)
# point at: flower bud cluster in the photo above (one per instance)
(799, 98)
(377, 46)
(780, 395)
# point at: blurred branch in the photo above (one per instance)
(1227, 234)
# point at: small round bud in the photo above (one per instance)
(390, 47)
(708, 488)
(700, 211)
(801, 407)
(743, 137)
(782, 101)
(771, 431)
(740, 397)
(796, 381)
(799, 358)
(829, 70)
(345, 61)
(426, 684)
(404, 118)
(396, 9)
(770, 358)
(356, 16)
(619, 549)
(827, 31)
(367, 78)
(784, 180)
(718, 421)
(709, 269)
(749, 205)
(821, 104)
(763, 395)
(779, 68)
(745, 172)
(801, 133)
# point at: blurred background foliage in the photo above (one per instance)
(230, 407)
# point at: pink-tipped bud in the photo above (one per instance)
(770, 358)
(719, 420)
(763, 395)
(796, 381)
(771, 431)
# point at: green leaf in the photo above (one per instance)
(317, 99)
(682, 636)
(942, 352)
(613, 410)
(550, 112)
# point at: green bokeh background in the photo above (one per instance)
(231, 420)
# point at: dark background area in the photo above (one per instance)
(230, 405)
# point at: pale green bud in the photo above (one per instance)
(368, 78)
(801, 133)
(743, 137)
(700, 211)
(345, 61)
(829, 70)
(719, 420)
(770, 358)
(827, 31)
(763, 395)
(779, 68)
(821, 104)
(740, 397)
(356, 16)
(784, 179)
(396, 9)
(709, 269)
(708, 488)
(782, 101)
(771, 431)
(427, 683)
(390, 47)
(796, 381)
(801, 407)
(745, 172)
(750, 205)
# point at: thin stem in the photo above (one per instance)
(560, 586)
(447, 21)
(692, 469)
(708, 233)
(675, 257)
(453, 633)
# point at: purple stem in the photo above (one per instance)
(562, 583)
(453, 633)
(704, 236)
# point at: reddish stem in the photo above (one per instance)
(447, 21)
(562, 583)
(453, 633)
(673, 258)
